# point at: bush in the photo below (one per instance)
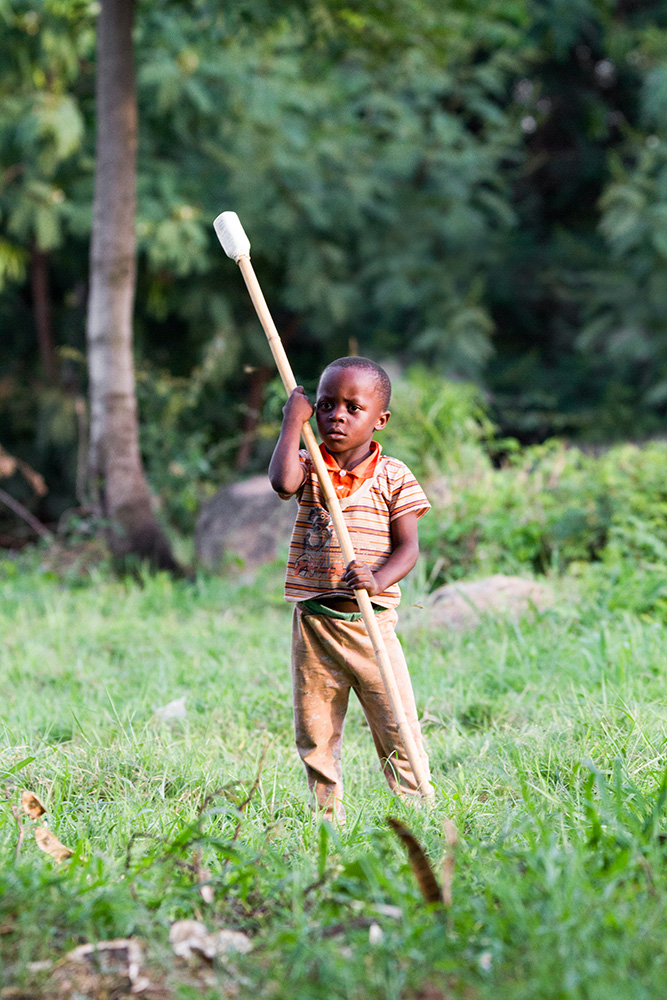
(548, 507)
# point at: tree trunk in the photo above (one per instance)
(258, 380)
(119, 486)
(41, 304)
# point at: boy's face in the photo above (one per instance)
(348, 409)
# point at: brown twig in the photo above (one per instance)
(419, 862)
(255, 785)
(333, 929)
(25, 514)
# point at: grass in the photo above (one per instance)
(547, 743)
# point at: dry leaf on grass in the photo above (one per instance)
(192, 936)
(375, 934)
(7, 464)
(419, 862)
(49, 843)
(31, 804)
(203, 876)
(103, 969)
(207, 894)
(172, 712)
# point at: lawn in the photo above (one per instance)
(547, 744)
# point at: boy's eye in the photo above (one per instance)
(353, 408)
(323, 405)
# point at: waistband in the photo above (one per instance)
(314, 607)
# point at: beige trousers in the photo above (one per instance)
(330, 657)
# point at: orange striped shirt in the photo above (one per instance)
(315, 564)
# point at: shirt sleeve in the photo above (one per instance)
(406, 495)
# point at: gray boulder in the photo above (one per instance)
(246, 520)
(461, 605)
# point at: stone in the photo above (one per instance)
(246, 520)
(461, 605)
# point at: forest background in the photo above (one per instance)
(475, 194)
(478, 188)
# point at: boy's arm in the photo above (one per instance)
(286, 472)
(405, 542)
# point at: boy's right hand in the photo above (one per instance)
(298, 407)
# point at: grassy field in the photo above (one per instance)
(547, 742)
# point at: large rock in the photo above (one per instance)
(247, 520)
(461, 605)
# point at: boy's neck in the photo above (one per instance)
(351, 459)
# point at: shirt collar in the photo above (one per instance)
(361, 471)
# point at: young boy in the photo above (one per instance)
(381, 502)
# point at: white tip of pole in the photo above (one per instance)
(230, 232)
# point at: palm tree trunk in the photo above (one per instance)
(118, 482)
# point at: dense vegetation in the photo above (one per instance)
(479, 186)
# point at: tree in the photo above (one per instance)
(116, 470)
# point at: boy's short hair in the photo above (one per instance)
(380, 377)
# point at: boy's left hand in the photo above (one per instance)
(358, 576)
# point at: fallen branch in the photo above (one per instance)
(25, 514)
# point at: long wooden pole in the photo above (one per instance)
(362, 596)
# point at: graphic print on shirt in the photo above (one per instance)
(315, 557)
(320, 529)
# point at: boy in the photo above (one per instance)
(381, 502)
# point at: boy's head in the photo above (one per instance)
(378, 374)
(352, 400)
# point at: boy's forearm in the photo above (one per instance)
(397, 566)
(359, 576)
(285, 468)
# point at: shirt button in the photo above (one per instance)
(343, 472)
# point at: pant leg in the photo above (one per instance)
(375, 703)
(339, 654)
(321, 691)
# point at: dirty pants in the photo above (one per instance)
(330, 657)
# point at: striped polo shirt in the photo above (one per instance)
(315, 564)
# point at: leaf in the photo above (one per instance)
(49, 843)
(7, 464)
(174, 711)
(19, 765)
(31, 804)
(188, 936)
(419, 862)
(121, 957)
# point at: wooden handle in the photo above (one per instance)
(347, 549)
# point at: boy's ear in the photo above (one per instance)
(382, 420)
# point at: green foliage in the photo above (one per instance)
(41, 121)
(184, 466)
(478, 187)
(550, 507)
(499, 507)
(437, 425)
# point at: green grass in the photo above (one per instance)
(547, 743)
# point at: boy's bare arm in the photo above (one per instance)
(286, 473)
(403, 556)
